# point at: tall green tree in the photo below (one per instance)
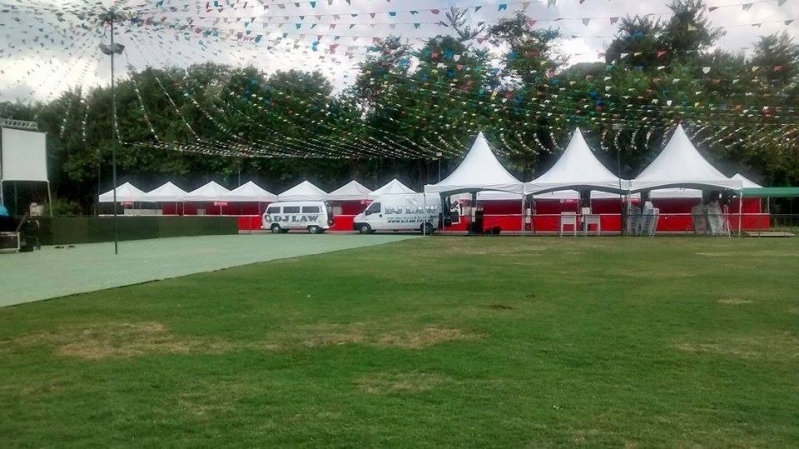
(636, 43)
(688, 33)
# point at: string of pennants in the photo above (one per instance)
(331, 49)
(82, 43)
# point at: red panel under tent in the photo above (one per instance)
(211, 208)
(675, 215)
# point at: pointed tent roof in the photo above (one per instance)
(679, 192)
(480, 170)
(681, 165)
(126, 193)
(304, 191)
(577, 169)
(250, 192)
(391, 187)
(747, 183)
(352, 191)
(209, 192)
(166, 193)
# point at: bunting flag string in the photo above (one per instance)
(174, 33)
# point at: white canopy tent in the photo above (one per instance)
(304, 191)
(167, 193)
(746, 183)
(479, 171)
(681, 165)
(207, 193)
(249, 192)
(577, 169)
(352, 191)
(392, 187)
(126, 193)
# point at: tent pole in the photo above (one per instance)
(524, 216)
(740, 211)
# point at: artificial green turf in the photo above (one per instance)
(445, 341)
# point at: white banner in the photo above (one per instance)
(24, 155)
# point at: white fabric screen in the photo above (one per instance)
(24, 156)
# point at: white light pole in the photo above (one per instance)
(114, 49)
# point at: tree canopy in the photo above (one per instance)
(412, 105)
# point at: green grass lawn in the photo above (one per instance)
(431, 342)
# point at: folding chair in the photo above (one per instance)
(568, 219)
(589, 219)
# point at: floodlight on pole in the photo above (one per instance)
(110, 17)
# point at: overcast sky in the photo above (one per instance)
(47, 46)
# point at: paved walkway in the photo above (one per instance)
(52, 272)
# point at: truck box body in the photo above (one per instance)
(400, 212)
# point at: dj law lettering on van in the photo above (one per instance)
(291, 218)
(408, 210)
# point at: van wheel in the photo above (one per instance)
(275, 228)
(314, 229)
(365, 229)
(426, 228)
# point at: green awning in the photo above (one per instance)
(771, 192)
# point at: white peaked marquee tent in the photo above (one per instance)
(167, 193)
(304, 191)
(126, 193)
(249, 192)
(392, 187)
(207, 193)
(681, 165)
(479, 171)
(680, 192)
(577, 169)
(746, 182)
(352, 191)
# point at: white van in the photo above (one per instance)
(400, 212)
(312, 216)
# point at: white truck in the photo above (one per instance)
(312, 216)
(400, 212)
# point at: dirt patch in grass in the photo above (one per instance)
(734, 301)
(428, 336)
(332, 334)
(102, 341)
(113, 340)
(749, 254)
(403, 383)
(779, 346)
(358, 333)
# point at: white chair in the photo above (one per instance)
(589, 219)
(568, 219)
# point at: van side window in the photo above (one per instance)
(310, 209)
(273, 210)
(373, 208)
(291, 210)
